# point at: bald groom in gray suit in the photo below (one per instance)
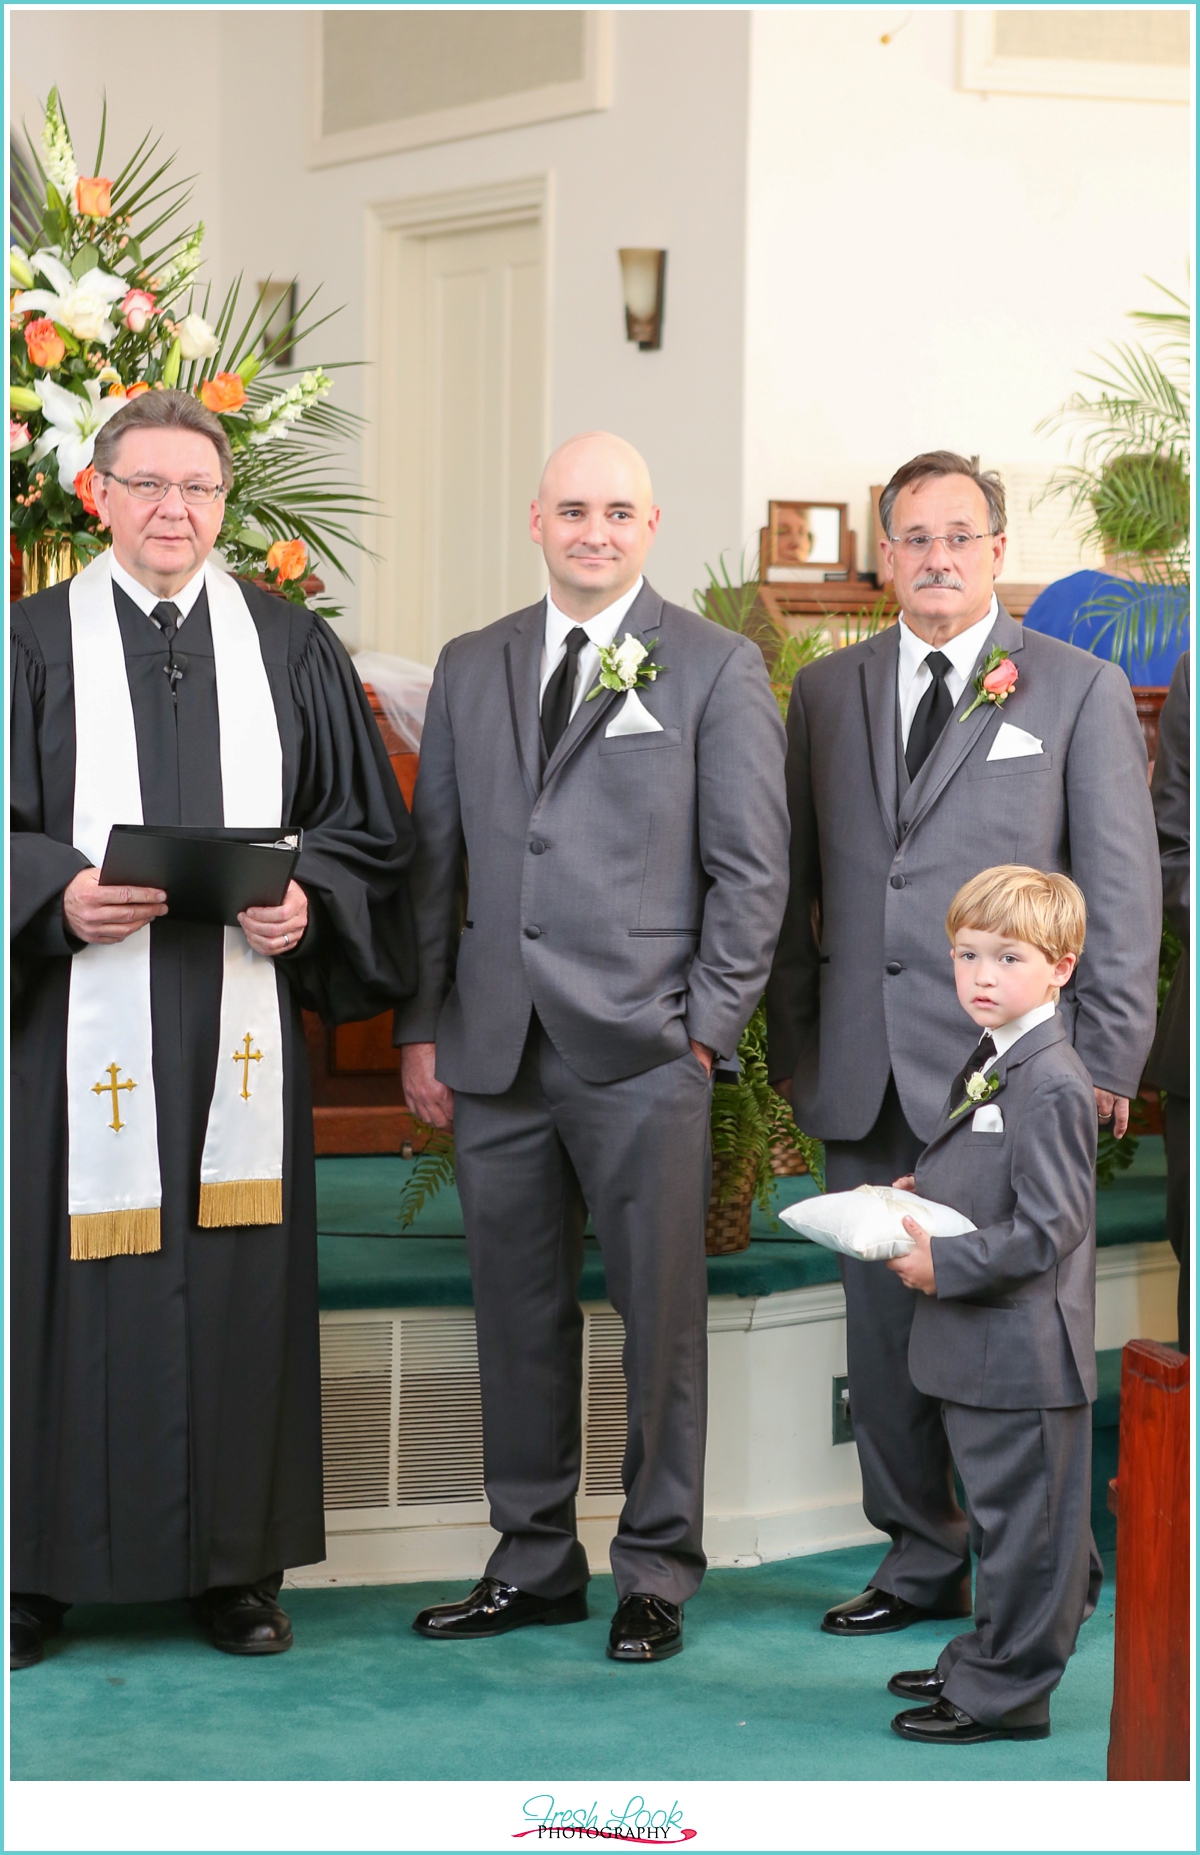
(897, 796)
(598, 887)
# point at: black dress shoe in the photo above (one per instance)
(493, 1608)
(917, 1684)
(947, 1725)
(877, 1613)
(645, 1629)
(31, 1620)
(244, 1620)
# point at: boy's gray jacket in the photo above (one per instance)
(1013, 1324)
(630, 890)
(875, 863)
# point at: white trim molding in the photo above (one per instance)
(981, 67)
(577, 97)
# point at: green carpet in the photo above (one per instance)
(758, 1693)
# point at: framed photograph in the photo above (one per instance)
(806, 541)
(279, 306)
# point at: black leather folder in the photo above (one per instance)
(208, 874)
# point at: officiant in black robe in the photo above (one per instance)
(165, 1408)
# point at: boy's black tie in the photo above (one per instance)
(983, 1052)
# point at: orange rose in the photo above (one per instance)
(83, 488)
(224, 393)
(139, 386)
(45, 344)
(288, 559)
(999, 681)
(93, 198)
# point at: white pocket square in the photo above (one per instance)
(987, 1120)
(1012, 743)
(632, 718)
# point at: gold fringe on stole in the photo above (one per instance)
(115, 1233)
(241, 1201)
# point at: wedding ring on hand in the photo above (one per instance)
(287, 940)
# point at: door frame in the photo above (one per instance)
(417, 217)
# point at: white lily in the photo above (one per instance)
(81, 306)
(72, 421)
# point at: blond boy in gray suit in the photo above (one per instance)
(1004, 1327)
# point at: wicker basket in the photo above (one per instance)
(728, 1226)
(787, 1161)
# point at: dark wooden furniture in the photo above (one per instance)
(358, 1103)
(1150, 1734)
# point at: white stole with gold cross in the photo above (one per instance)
(114, 1184)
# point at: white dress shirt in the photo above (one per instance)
(914, 678)
(1006, 1035)
(146, 601)
(601, 630)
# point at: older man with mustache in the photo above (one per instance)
(947, 744)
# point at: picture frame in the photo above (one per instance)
(806, 539)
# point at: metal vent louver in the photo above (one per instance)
(440, 1437)
(604, 1445)
(356, 1406)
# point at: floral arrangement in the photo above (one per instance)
(103, 305)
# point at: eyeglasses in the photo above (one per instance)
(916, 545)
(153, 489)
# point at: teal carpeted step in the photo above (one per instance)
(760, 1693)
(358, 1200)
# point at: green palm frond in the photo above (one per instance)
(1129, 488)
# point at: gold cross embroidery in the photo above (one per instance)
(245, 1058)
(113, 1087)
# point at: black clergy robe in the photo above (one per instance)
(165, 1409)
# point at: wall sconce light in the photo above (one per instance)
(643, 275)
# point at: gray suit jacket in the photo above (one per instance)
(862, 982)
(631, 891)
(1014, 1321)
(1169, 1066)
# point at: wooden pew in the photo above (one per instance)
(1150, 1733)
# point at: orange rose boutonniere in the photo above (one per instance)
(46, 346)
(288, 559)
(93, 198)
(995, 682)
(223, 393)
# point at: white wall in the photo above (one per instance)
(928, 267)
(664, 166)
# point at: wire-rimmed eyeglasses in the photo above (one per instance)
(958, 542)
(154, 489)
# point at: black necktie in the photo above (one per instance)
(933, 712)
(556, 703)
(983, 1053)
(166, 617)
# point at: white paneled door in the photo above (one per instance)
(461, 429)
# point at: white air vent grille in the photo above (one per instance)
(604, 1430)
(356, 1406)
(440, 1438)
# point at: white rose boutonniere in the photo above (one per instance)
(623, 666)
(978, 1088)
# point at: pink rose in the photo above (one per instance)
(999, 681)
(18, 435)
(137, 309)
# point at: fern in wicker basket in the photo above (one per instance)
(749, 1119)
